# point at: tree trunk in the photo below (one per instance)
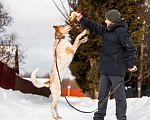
(141, 70)
(94, 93)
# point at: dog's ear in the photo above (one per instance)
(55, 27)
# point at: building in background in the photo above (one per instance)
(9, 56)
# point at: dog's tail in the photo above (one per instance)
(35, 82)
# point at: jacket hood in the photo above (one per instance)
(120, 23)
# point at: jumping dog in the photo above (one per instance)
(65, 53)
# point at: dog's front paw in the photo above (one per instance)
(84, 40)
(84, 32)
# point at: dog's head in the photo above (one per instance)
(61, 30)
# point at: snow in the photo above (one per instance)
(15, 105)
(41, 80)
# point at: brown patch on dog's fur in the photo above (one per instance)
(69, 49)
(48, 82)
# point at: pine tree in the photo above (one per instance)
(81, 67)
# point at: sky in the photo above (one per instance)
(33, 22)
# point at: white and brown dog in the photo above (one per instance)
(65, 53)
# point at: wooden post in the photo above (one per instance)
(69, 91)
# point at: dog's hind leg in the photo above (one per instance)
(53, 107)
(57, 112)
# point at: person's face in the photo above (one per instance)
(108, 22)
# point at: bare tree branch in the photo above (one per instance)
(64, 8)
(69, 6)
(60, 10)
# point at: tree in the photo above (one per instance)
(11, 51)
(46, 75)
(144, 73)
(5, 18)
(85, 62)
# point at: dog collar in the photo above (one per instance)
(60, 37)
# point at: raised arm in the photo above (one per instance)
(92, 26)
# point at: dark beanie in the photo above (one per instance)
(113, 15)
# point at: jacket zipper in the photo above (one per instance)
(116, 59)
(115, 46)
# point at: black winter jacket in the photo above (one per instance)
(118, 51)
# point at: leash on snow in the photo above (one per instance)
(114, 90)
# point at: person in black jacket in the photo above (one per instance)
(117, 54)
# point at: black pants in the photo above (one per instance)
(104, 87)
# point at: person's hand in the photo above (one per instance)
(75, 15)
(133, 69)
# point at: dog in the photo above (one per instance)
(65, 53)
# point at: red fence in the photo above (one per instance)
(7, 77)
(27, 87)
(9, 80)
(72, 92)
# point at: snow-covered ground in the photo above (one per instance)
(15, 105)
